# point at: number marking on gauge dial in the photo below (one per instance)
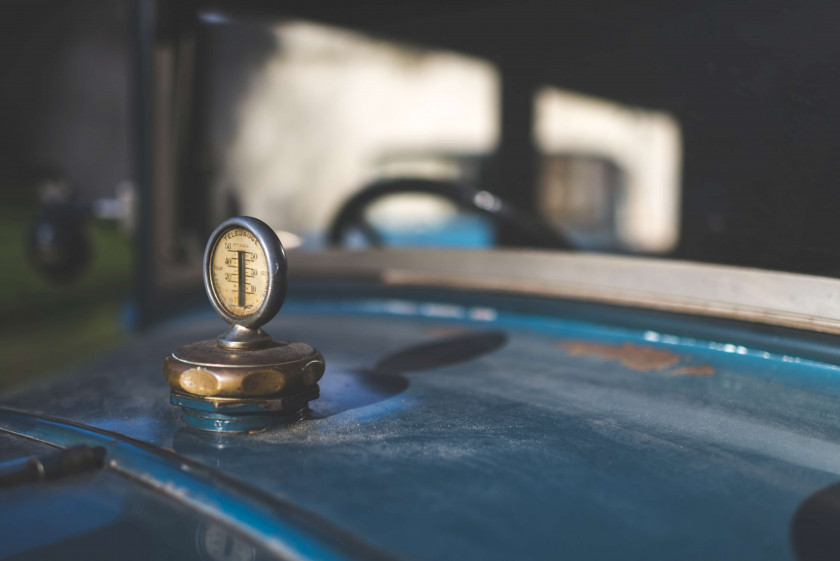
(239, 272)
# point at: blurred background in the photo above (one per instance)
(64, 137)
(293, 117)
(131, 128)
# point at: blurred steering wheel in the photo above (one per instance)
(529, 231)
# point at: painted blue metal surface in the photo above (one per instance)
(456, 426)
(279, 528)
(81, 512)
(101, 515)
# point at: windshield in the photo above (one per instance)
(700, 134)
(320, 113)
(682, 131)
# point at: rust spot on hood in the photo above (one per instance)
(640, 358)
(697, 370)
(631, 356)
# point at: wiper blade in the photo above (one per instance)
(55, 465)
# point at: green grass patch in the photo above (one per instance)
(48, 327)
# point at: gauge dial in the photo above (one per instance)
(245, 272)
(239, 272)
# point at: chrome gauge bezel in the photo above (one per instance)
(275, 257)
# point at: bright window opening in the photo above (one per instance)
(609, 173)
(332, 110)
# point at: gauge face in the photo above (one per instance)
(239, 272)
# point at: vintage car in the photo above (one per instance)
(614, 336)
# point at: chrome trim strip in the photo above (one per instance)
(776, 298)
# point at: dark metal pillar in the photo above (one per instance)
(516, 157)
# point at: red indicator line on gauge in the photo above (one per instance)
(241, 275)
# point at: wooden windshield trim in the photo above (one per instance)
(770, 297)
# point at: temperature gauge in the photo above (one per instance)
(244, 380)
(245, 271)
